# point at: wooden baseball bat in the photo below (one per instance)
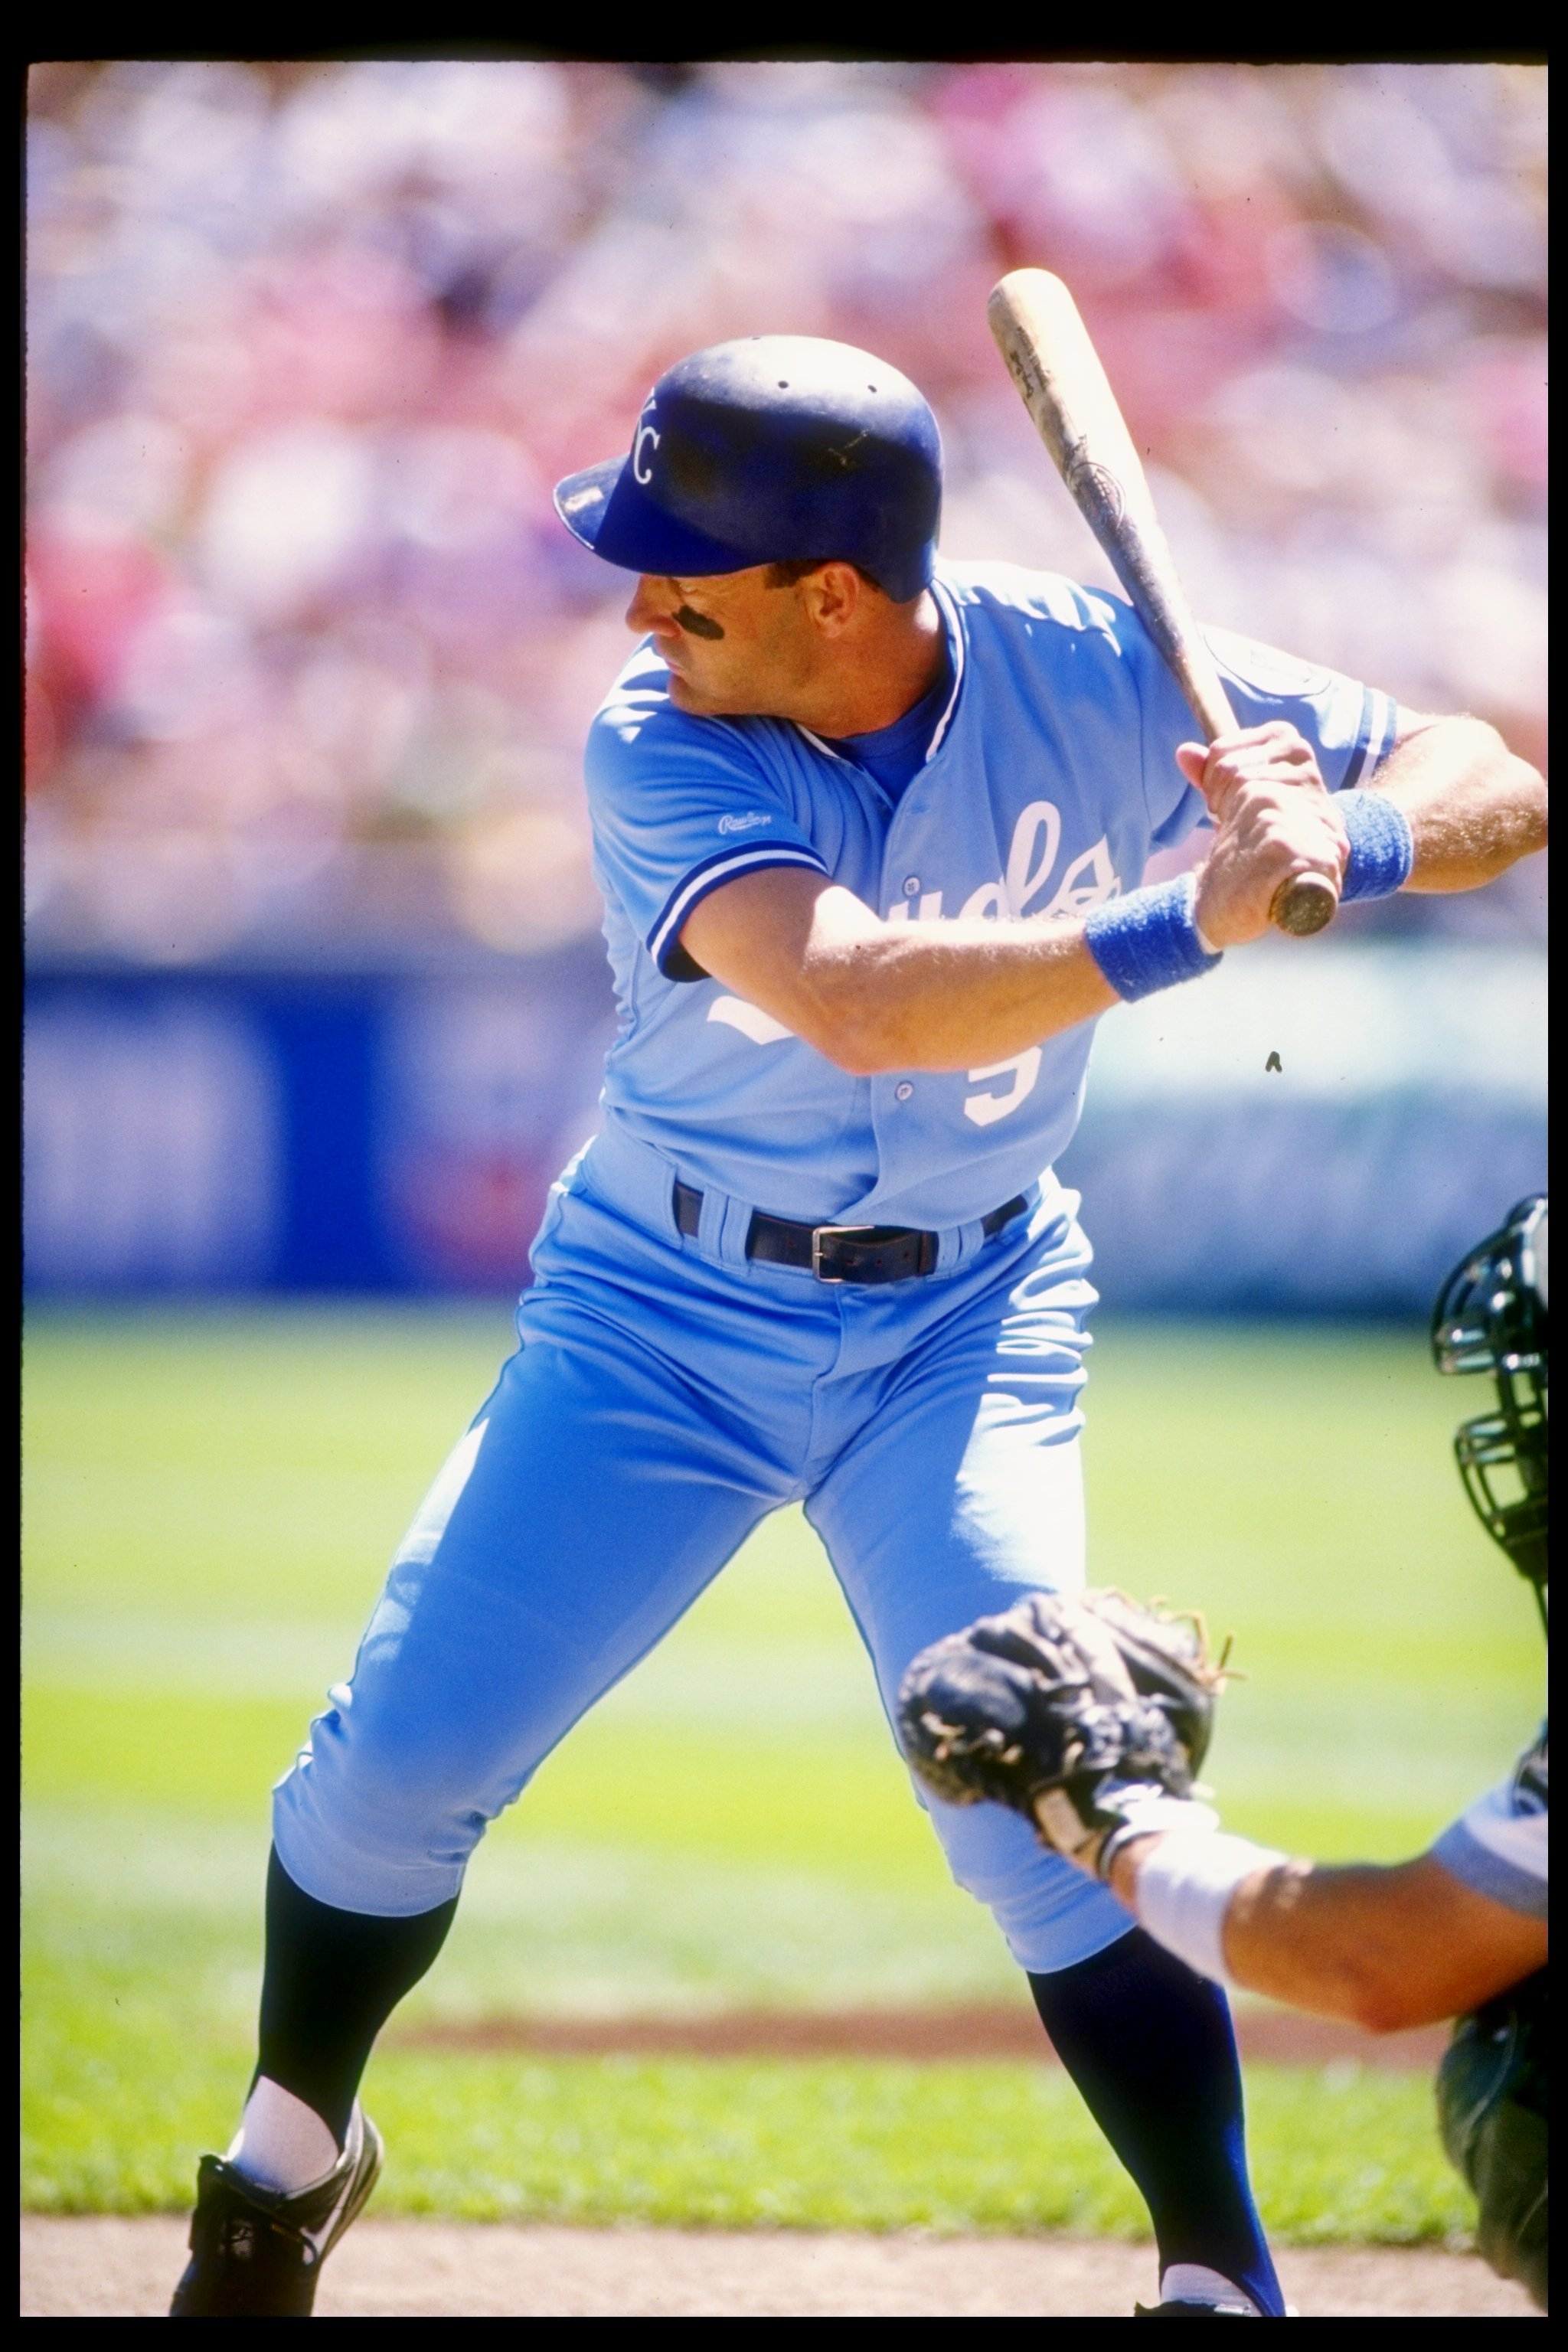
(1066, 390)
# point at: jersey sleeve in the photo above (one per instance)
(680, 806)
(1351, 728)
(1499, 1846)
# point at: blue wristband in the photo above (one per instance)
(1382, 851)
(1148, 939)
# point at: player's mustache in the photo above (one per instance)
(696, 625)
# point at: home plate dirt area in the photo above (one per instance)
(106, 2267)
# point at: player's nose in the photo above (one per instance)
(652, 609)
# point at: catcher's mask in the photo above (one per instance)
(1490, 1317)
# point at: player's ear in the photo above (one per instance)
(833, 595)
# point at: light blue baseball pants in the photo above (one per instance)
(667, 1395)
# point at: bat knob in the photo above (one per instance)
(1307, 905)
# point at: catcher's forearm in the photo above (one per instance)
(1387, 1947)
(1474, 808)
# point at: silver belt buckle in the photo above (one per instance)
(830, 1233)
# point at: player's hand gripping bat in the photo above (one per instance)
(1058, 370)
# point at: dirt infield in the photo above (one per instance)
(104, 2268)
(978, 2032)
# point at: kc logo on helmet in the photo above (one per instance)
(647, 439)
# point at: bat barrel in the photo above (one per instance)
(1065, 388)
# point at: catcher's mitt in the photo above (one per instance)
(1064, 1709)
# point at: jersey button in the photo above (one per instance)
(904, 1092)
(911, 886)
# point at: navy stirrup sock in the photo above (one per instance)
(1150, 2044)
(333, 1980)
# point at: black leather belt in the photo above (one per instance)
(840, 1253)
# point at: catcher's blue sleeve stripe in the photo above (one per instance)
(1496, 1875)
(1374, 736)
(664, 939)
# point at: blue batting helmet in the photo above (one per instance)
(778, 449)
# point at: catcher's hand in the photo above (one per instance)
(1073, 1712)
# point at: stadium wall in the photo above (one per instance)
(1307, 1133)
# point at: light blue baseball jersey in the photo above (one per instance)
(1049, 780)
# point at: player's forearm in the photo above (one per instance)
(1387, 1947)
(949, 996)
(877, 996)
(1474, 807)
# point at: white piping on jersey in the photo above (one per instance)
(955, 628)
(722, 870)
(749, 1019)
(1376, 736)
(1381, 732)
(949, 612)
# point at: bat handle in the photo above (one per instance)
(1307, 905)
(1310, 902)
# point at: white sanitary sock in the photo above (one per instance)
(282, 2143)
(1194, 2283)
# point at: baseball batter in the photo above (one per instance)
(870, 830)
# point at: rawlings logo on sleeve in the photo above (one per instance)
(1265, 666)
(743, 824)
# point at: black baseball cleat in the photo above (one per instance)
(257, 2254)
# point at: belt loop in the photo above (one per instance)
(726, 1221)
(956, 1244)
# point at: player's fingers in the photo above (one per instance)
(1294, 757)
(1266, 775)
(1232, 773)
(1254, 760)
(1292, 843)
(1264, 843)
(1212, 772)
(1193, 760)
(1274, 733)
(1280, 731)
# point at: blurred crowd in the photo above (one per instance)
(310, 659)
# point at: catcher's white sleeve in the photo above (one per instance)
(1185, 1886)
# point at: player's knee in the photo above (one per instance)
(396, 1792)
(1050, 1913)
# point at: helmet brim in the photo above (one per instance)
(606, 507)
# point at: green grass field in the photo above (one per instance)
(209, 1501)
